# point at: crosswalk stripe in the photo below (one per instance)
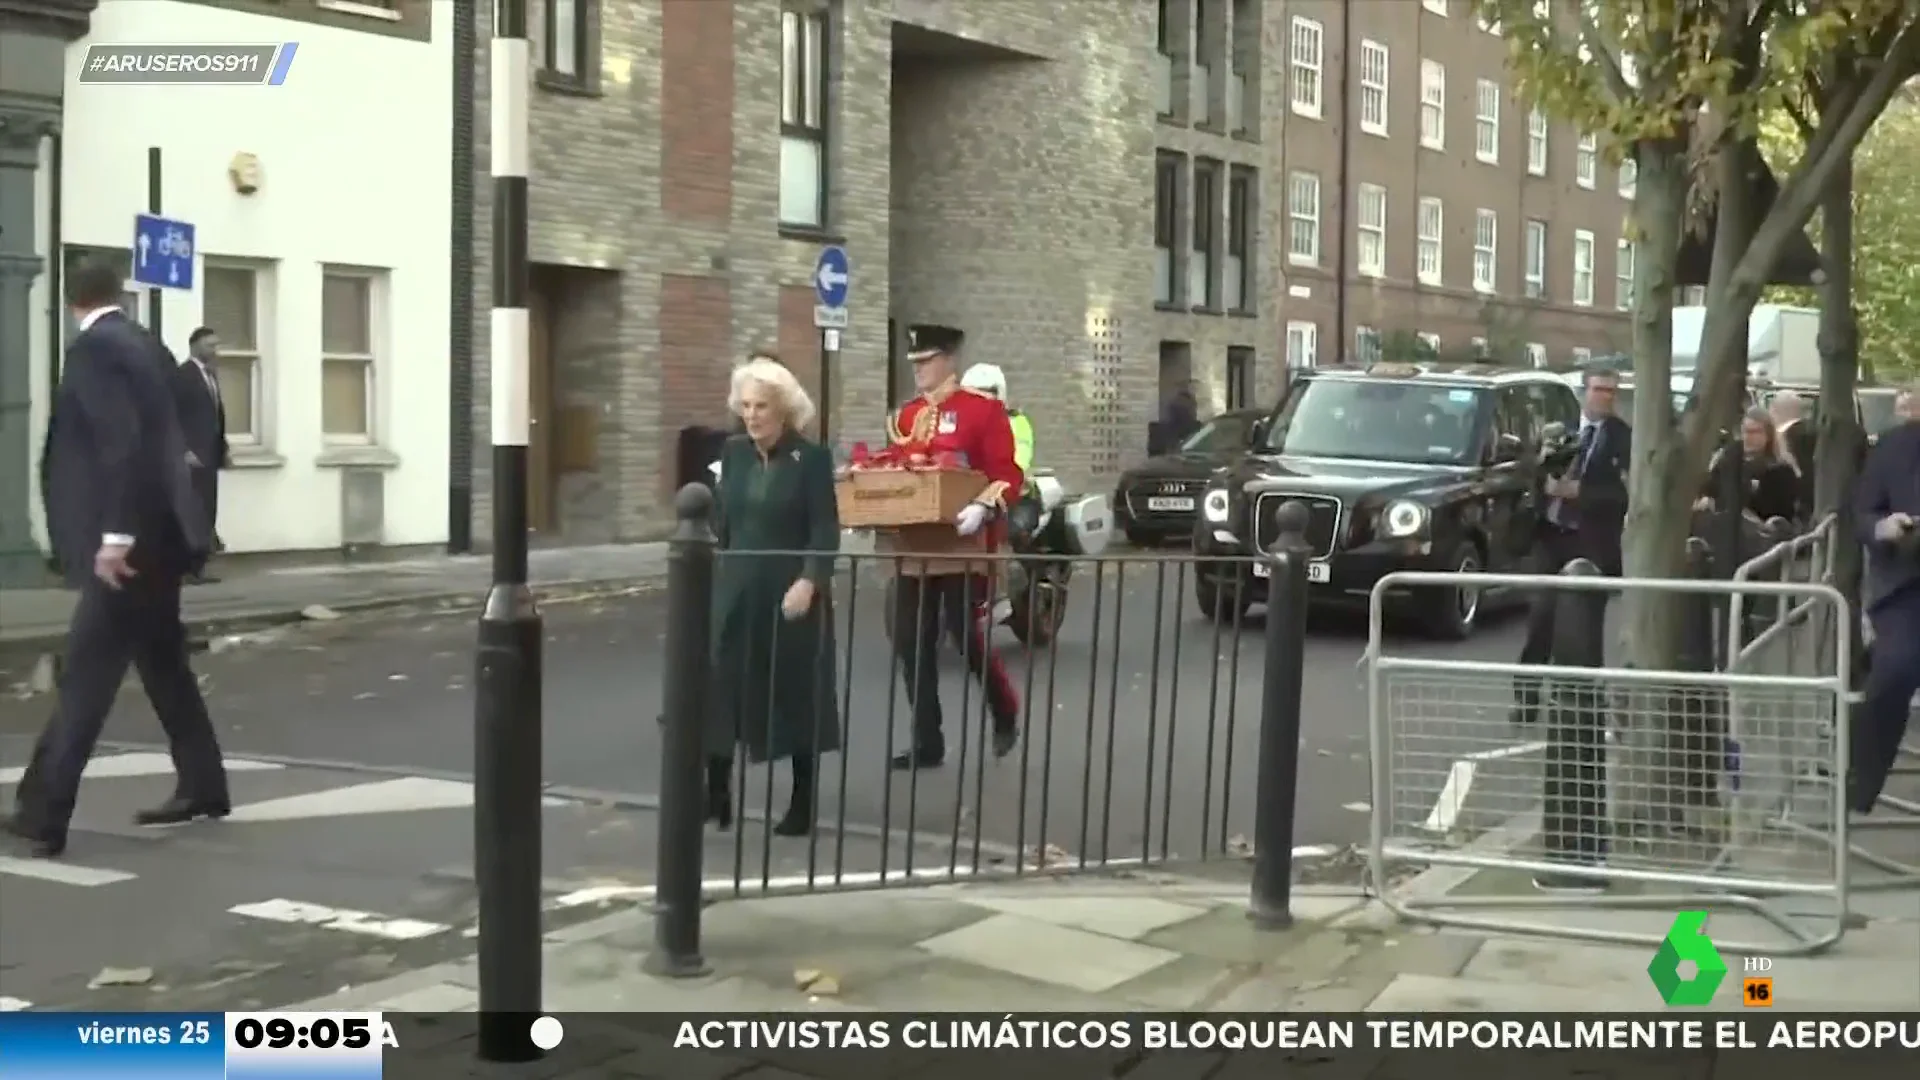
(63, 873)
(14, 1004)
(120, 766)
(297, 912)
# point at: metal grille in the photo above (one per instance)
(1323, 521)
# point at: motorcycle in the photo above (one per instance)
(1047, 530)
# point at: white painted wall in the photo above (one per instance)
(354, 151)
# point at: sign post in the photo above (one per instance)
(163, 251)
(832, 282)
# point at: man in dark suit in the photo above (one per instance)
(203, 421)
(125, 528)
(1887, 509)
(1797, 436)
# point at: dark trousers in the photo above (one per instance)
(139, 625)
(1893, 676)
(954, 606)
(206, 485)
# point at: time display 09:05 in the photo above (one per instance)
(324, 1033)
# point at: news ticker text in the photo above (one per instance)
(358, 1045)
(189, 64)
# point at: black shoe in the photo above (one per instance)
(910, 760)
(1004, 740)
(798, 820)
(1570, 884)
(720, 797)
(178, 811)
(40, 844)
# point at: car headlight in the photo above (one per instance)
(1403, 518)
(1215, 506)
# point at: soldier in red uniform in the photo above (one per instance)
(946, 593)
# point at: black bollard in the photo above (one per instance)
(1573, 821)
(683, 756)
(1271, 906)
(1729, 508)
(507, 687)
(1693, 743)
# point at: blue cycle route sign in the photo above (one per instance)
(162, 252)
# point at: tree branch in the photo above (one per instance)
(1602, 51)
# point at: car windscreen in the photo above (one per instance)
(1220, 435)
(1378, 420)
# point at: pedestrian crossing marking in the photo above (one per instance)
(300, 913)
(63, 873)
(14, 1004)
(395, 796)
(121, 766)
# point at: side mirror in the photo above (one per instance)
(1507, 448)
(1257, 434)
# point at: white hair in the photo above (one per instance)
(792, 400)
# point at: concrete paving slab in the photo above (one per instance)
(434, 997)
(1047, 953)
(1435, 993)
(1184, 985)
(1226, 935)
(1127, 918)
(942, 985)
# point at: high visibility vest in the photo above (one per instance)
(1022, 441)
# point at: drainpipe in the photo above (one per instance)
(1340, 334)
(466, 47)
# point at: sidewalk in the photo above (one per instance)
(251, 599)
(1125, 942)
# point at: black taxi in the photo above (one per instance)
(1401, 467)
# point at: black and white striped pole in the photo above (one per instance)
(507, 692)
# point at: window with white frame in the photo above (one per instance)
(1429, 230)
(1303, 344)
(234, 304)
(1629, 177)
(1625, 255)
(1430, 341)
(1438, 7)
(1586, 161)
(1535, 275)
(1303, 219)
(1373, 88)
(1308, 55)
(1486, 121)
(803, 118)
(1583, 267)
(1433, 105)
(349, 346)
(1489, 23)
(1366, 345)
(1536, 354)
(1582, 357)
(1537, 142)
(1372, 241)
(1486, 245)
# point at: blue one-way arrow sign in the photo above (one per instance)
(832, 277)
(162, 252)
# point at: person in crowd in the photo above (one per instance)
(1768, 470)
(1024, 518)
(779, 534)
(203, 420)
(1179, 418)
(1887, 511)
(126, 529)
(1798, 443)
(940, 590)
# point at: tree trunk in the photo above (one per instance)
(1655, 539)
(1840, 436)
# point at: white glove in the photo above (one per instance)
(970, 518)
(1892, 527)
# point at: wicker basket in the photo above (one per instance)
(889, 498)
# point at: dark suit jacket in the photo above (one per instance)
(203, 417)
(114, 460)
(1773, 488)
(1602, 506)
(1803, 442)
(1889, 484)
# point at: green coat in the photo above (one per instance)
(774, 679)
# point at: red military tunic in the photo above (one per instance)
(955, 419)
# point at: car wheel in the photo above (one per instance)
(1034, 626)
(1452, 613)
(1221, 599)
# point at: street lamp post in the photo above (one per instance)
(507, 691)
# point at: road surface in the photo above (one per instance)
(351, 749)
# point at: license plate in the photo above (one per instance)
(1169, 502)
(1317, 572)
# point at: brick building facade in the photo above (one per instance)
(1098, 192)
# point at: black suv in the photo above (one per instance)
(1401, 468)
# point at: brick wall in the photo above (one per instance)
(799, 341)
(696, 319)
(696, 109)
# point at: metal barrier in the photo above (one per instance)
(1794, 640)
(1091, 716)
(1454, 784)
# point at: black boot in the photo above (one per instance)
(798, 820)
(720, 792)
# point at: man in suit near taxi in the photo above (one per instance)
(203, 421)
(941, 594)
(125, 528)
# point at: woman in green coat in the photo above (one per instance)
(773, 649)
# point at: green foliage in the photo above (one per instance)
(1406, 347)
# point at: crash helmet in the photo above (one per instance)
(987, 379)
